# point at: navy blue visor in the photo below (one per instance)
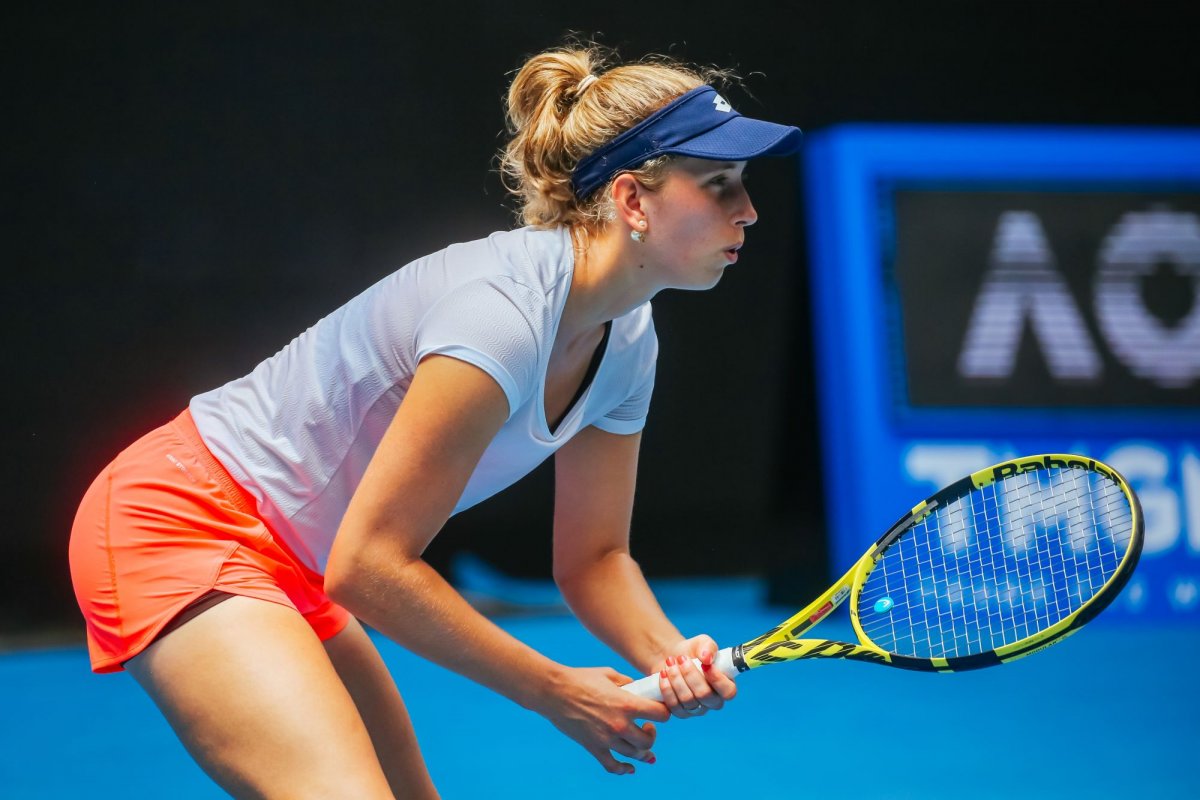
(700, 124)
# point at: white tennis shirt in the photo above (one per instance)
(298, 432)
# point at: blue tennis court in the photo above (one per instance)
(1111, 712)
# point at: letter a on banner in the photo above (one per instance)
(1023, 283)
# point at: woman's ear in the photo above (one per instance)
(628, 197)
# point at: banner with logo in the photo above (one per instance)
(983, 293)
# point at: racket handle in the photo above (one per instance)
(648, 686)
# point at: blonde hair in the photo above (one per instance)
(565, 103)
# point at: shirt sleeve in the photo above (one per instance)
(629, 416)
(492, 324)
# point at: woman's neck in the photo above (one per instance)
(607, 282)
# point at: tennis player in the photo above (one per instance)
(225, 558)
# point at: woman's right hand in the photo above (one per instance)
(588, 705)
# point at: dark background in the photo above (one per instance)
(186, 187)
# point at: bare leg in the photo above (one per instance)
(253, 696)
(365, 675)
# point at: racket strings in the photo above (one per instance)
(998, 565)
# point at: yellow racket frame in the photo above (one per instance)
(780, 643)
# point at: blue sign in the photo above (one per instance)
(981, 293)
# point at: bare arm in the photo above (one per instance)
(449, 416)
(595, 477)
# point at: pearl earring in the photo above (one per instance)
(639, 236)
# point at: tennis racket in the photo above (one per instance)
(998, 565)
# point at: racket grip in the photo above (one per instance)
(647, 687)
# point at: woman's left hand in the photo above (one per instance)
(690, 691)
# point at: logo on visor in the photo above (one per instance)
(722, 104)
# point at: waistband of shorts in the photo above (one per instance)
(185, 426)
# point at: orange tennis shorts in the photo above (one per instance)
(164, 525)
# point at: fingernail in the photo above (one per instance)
(651, 760)
(704, 655)
(662, 674)
(706, 667)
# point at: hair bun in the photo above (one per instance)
(556, 117)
